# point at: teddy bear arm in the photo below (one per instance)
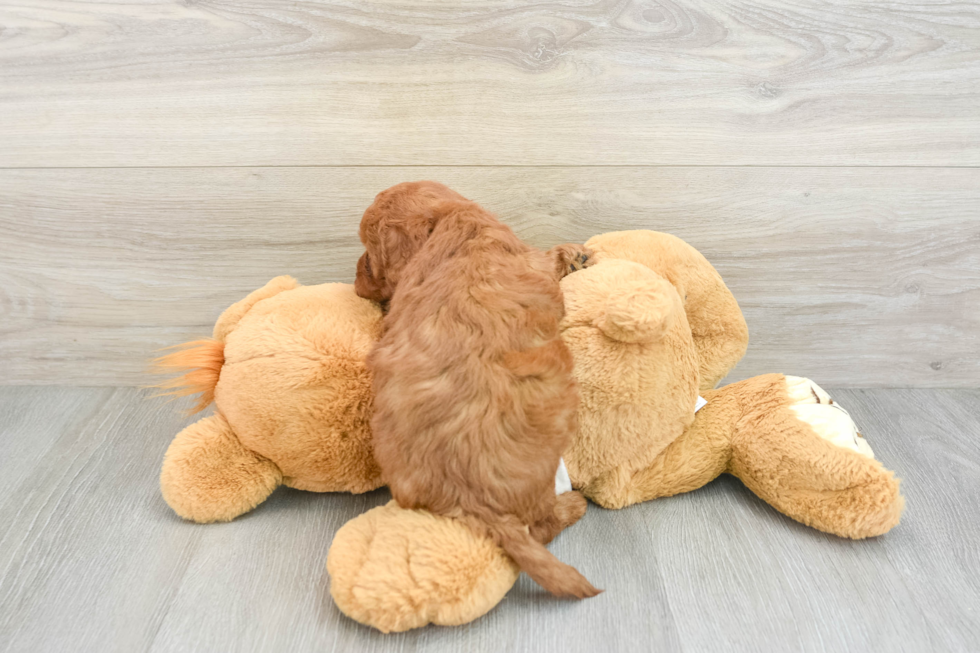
(228, 320)
(209, 476)
(719, 353)
(696, 457)
(799, 451)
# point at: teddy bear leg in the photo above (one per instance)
(808, 460)
(569, 508)
(209, 476)
(396, 569)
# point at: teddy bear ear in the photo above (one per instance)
(640, 311)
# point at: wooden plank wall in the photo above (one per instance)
(158, 160)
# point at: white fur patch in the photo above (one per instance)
(563, 483)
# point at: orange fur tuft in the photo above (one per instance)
(200, 361)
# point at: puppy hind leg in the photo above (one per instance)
(569, 508)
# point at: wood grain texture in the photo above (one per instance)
(583, 82)
(852, 276)
(91, 559)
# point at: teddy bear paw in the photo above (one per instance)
(397, 569)
(831, 421)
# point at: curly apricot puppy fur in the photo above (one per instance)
(474, 395)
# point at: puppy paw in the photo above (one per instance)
(569, 508)
(571, 257)
(583, 259)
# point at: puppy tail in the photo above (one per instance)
(201, 362)
(538, 563)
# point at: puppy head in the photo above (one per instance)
(394, 228)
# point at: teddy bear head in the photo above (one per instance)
(636, 365)
(720, 333)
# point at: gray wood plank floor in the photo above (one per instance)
(91, 559)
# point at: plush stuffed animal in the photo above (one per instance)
(651, 327)
(286, 371)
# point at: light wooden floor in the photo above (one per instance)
(91, 559)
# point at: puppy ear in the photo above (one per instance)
(365, 283)
(399, 244)
(404, 235)
(643, 310)
(403, 239)
(437, 211)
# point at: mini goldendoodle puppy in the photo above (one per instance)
(474, 396)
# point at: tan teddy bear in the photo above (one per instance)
(637, 324)
(286, 371)
(651, 326)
